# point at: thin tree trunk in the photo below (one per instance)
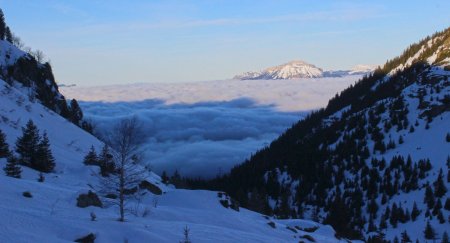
(121, 195)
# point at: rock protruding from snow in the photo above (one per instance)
(301, 69)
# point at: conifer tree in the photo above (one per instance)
(371, 226)
(439, 186)
(440, 217)
(445, 238)
(105, 159)
(405, 237)
(91, 157)
(447, 204)
(4, 148)
(415, 212)
(44, 160)
(2, 25)
(372, 208)
(164, 177)
(26, 145)
(429, 197)
(8, 35)
(429, 232)
(12, 167)
(76, 115)
(396, 240)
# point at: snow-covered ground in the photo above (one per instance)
(51, 215)
(205, 128)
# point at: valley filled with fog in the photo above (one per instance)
(203, 129)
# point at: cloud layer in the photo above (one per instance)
(205, 128)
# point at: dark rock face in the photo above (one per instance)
(150, 187)
(89, 199)
(90, 238)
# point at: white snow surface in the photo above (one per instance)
(51, 215)
(9, 53)
(205, 128)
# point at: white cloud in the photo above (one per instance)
(205, 128)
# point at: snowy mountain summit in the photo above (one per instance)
(290, 70)
(301, 69)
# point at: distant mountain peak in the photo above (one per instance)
(300, 69)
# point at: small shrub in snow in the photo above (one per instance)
(41, 177)
(272, 224)
(27, 194)
(93, 216)
(224, 203)
(89, 199)
(186, 235)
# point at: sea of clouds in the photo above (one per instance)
(203, 129)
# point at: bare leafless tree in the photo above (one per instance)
(38, 55)
(129, 173)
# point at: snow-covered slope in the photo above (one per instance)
(379, 147)
(51, 215)
(36, 79)
(301, 69)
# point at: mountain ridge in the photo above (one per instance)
(379, 145)
(300, 69)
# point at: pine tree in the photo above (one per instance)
(2, 25)
(106, 162)
(4, 148)
(429, 197)
(8, 35)
(26, 145)
(396, 240)
(437, 207)
(372, 208)
(91, 157)
(164, 177)
(429, 232)
(439, 186)
(405, 237)
(12, 167)
(415, 212)
(447, 204)
(445, 238)
(371, 226)
(383, 224)
(440, 217)
(44, 160)
(76, 115)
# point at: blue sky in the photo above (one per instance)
(94, 42)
